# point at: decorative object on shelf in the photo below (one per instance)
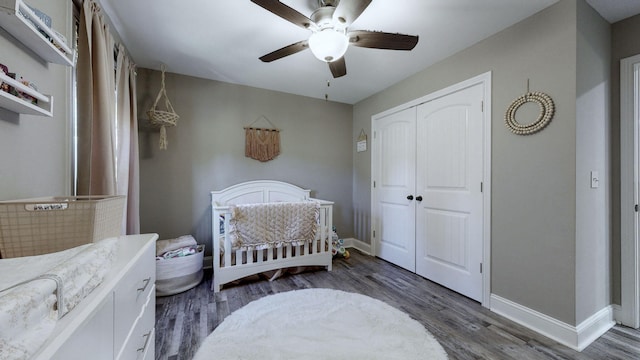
(163, 118)
(262, 144)
(33, 28)
(22, 97)
(22, 94)
(3, 85)
(361, 144)
(547, 109)
(44, 18)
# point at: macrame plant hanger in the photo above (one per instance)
(262, 144)
(163, 118)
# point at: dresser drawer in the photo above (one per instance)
(141, 341)
(94, 337)
(132, 294)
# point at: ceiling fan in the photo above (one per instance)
(331, 36)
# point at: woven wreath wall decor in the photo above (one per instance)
(547, 109)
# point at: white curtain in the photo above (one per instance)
(127, 178)
(96, 105)
(107, 124)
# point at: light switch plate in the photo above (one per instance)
(595, 180)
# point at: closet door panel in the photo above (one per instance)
(394, 153)
(449, 174)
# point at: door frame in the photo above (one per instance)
(484, 80)
(629, 313)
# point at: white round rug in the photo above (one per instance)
(319, 324)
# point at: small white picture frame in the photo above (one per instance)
(361, 146)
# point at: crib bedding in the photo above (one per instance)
(262, 226)
(36, 291)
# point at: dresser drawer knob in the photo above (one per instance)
(146, 337)
(146, 283)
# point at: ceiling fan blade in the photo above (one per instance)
(348, 11)
(382, 40)
(285, 51)
(338, 68)
(286, 13)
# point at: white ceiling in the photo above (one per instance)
(616, 10)
(223, 39)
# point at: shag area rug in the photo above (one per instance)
(319, 324)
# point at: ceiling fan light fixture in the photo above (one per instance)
(328, 44)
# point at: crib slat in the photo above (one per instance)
(238, 257)
(319, 246)
(227, 241)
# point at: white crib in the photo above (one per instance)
(231, 264)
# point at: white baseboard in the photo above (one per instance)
(617, 313)
(575, 337)
(357, 244)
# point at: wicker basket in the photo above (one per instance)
(44, 225)
(179, 274)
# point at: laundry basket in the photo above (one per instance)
(179, 274)
(43, 225)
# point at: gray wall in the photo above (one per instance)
(206, 151)
(624, 43)
(534, 193)
(35, 155)
(593, 228)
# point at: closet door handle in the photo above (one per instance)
(410, 197)
(419, 198)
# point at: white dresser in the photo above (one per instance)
(117, 320)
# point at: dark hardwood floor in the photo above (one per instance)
(465, 329)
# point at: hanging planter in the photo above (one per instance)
(163, 118)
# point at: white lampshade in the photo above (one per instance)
(328, 44)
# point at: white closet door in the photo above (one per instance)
(449, 214)
(394, 167)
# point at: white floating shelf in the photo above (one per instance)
(21, 106)
(12, 20)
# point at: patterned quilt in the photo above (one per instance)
(268, 225)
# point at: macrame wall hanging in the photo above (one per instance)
(262, 144)
(547, 109)
(163, 118)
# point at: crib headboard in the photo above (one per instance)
(258, 191)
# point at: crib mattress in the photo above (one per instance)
(35, 291)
